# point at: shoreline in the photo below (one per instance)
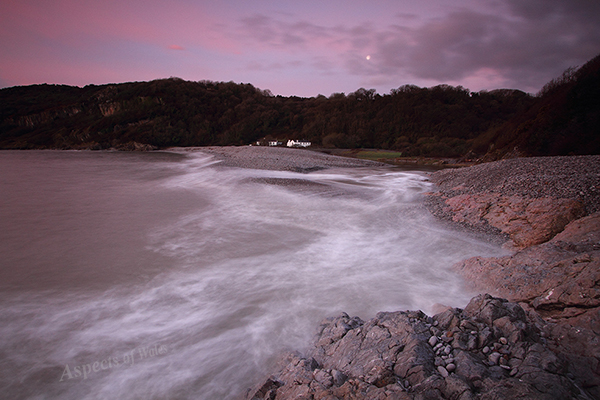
(277, 158)
(531, 333)
(537, 340)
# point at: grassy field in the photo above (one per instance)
(377, 155)
(394, 157)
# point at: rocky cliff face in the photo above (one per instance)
(540, 339)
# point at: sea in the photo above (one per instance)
(166, 275)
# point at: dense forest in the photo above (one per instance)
(564, 118)
(441, 121)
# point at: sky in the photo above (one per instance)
(301, 47)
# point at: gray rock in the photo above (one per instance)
(338, 377)
(494, 357)
(266, 389)
(485, 337)
(457, 388)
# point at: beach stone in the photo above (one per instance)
(281, 159)
(433, 341)
(443, 371)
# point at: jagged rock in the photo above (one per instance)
(390, 357)
(338, 377)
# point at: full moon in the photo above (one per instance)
(368, 57)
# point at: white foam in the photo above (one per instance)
(252, 270)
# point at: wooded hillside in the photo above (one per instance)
(442, 121)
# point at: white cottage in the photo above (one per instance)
(298, 143)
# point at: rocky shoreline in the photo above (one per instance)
(525, 200)
(536, 335)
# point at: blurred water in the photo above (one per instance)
(164, 276)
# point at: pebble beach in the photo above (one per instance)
(279, 158)
(571, 177)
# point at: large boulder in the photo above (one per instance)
(553, 277)
(526, 221)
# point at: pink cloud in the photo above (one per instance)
(73, 22)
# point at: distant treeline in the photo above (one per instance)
(442, 121)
